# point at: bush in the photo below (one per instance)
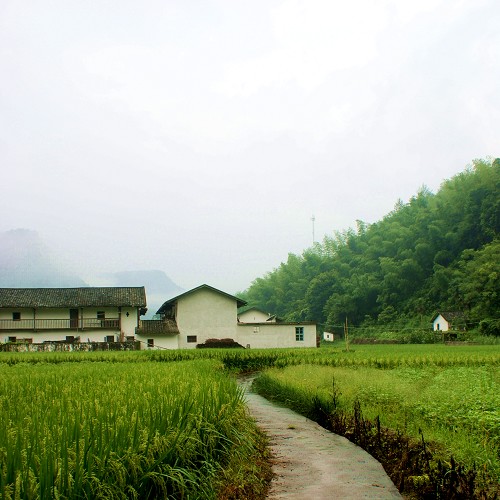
(219, 343)
(490, 326)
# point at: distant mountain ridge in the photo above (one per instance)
(26, 262)
(157, 281)
(159, 287)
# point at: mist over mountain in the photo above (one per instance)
(155, 281)
(25, 261)
(159, 287)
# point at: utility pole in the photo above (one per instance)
(313, 219)
(346, 335)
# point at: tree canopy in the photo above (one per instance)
(436, 252)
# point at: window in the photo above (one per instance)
(12, 339)
(151, 342)
(70, 339)
(109, 338)
(101, 315)
(299, 333)
(16, 316)
(192, 339)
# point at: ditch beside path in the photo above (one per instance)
(311, 463)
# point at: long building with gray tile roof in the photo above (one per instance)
(73, 297)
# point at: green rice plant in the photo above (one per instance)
(379, 356)
(118, 430)
(456, 407)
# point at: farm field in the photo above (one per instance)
(445, 397)
(121, 430)
(139, 424)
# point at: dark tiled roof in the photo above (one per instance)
(73, 297)
(165, 305)
(449, 315)
(157, 327)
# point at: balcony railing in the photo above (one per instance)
(61, 324)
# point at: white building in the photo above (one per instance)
(204, 313)
(112, 314)
(328, 336)
(256, 315)
(86, 314)
(445, 321)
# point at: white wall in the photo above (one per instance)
(441, 324)
(271, 335)
(253, 316)
(7, 313)
(160, 341)
(329, 337)
(130, 322)
(205, 314)
(24, 328)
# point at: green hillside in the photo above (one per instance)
(437, 252)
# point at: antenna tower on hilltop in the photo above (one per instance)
(313, 219)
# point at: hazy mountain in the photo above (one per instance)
(159, 287)
(25, 261)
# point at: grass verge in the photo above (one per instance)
(419, 467)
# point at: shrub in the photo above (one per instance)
(219, 343)
(490, 326)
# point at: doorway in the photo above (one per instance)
(73, 318)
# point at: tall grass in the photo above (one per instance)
(456, 408)
(378, 356)
(118, 430)
(173, 424)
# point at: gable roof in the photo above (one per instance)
(157, 327)
(449, 315)
(244, 310)
(165, 305)
(73, 297)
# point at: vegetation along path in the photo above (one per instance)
(311, 462)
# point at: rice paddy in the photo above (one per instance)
(450, 404)
(118, 430)
(174, 424)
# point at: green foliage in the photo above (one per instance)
(172, 424)
(456, 408)
(490, 327)
(119, 430)
(436, 252)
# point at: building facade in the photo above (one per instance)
(205, 313)
(112, 314)
(86, 314)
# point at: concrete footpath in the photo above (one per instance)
(311, 463)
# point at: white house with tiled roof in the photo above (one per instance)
(112, 314)
(204, 312)
(450, 320)
(86, 314)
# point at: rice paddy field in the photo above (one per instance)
(439, 403)
(173, 424)
(120, 429)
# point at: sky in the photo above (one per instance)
(201, 137)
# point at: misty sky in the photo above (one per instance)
(199, 137)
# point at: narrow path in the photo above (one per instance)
(312, 463)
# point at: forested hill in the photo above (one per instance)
(436, 252)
